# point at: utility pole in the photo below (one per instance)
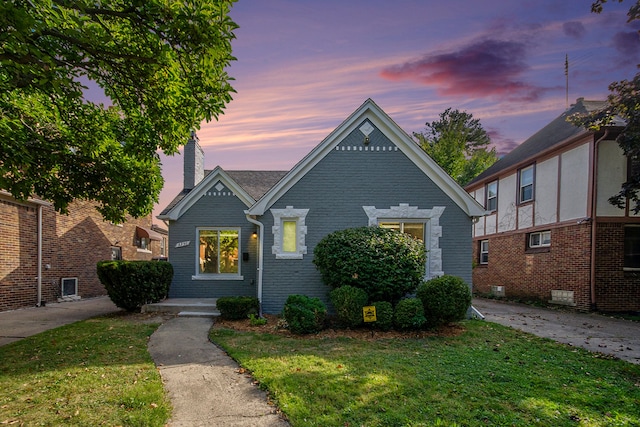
(566, 73)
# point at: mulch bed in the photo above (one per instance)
(275, 325)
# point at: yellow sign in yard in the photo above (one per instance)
(369, 313)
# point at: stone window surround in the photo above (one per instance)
(433, 230)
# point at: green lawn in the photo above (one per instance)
(487, 375)
(90, 373)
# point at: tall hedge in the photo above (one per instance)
(384, 263)
(132, 284)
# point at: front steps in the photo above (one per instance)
(185, 307)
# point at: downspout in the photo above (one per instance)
(39, 304)
(594, 215)
(260, 257)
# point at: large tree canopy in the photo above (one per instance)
(162, 63)
(459, 144)
(623, 102)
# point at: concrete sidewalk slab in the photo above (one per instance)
(592, 331)
(18, 324)
(204, 384)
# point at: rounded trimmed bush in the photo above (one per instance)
(384, 315)
(409, 314)
(132, 284)
(304, 315)
(235, 308)
(386, 264)
(348, 302)
(445, 299)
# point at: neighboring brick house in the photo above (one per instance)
(551, 233)
(65, 247)
(254, 232)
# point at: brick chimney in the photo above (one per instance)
(193, 162)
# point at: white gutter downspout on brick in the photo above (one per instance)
(260, 250)
(40, 204)
(594, 215)
(39, 256)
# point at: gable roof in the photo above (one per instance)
(248, 186)
(371, 111)
(558, 131)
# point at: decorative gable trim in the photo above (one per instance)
(369, 111)
(209, 186)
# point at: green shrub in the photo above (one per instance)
(235, 308)
(409, 314)
(132, 284)
(348, 302)
(445, 299)
(304, 315)
(384, 315)
(256, 321)
(383, 262)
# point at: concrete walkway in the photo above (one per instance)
(18, 324)
(591, 331)
(204, 384)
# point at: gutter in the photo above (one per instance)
(594, 215)
(40, 204)
(260, 256)
(39, 303)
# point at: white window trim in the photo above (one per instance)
(533, 184)
(484, 252)
(494, 197)
(540, 245)
(216, 276)
(432, 230)
(289, 214)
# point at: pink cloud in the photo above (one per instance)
(488, 68)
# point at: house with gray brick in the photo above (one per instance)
(253, 233)
(551, 233)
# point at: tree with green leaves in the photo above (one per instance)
(161, 63)
(623, 102)
(459, 144)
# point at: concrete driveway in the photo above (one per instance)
(594, 332)
(18, 324)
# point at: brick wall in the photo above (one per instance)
(71, 246)
(616, 290)
(532, 275)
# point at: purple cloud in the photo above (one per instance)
(485, 68)
(574, 29)
(627, 43)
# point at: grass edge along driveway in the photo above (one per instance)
(89, 373)
(486, 375)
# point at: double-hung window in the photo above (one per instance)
(492, 196)
(484, 252)
(632, 247)
(525, 182)
(218, 250)
(415, 229)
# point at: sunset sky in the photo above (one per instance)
(304, 65)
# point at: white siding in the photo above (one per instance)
(612, 172)
(546, 194)
(507, 203)
(574, 183)
(525, 216)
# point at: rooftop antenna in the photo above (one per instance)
(566, 73)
